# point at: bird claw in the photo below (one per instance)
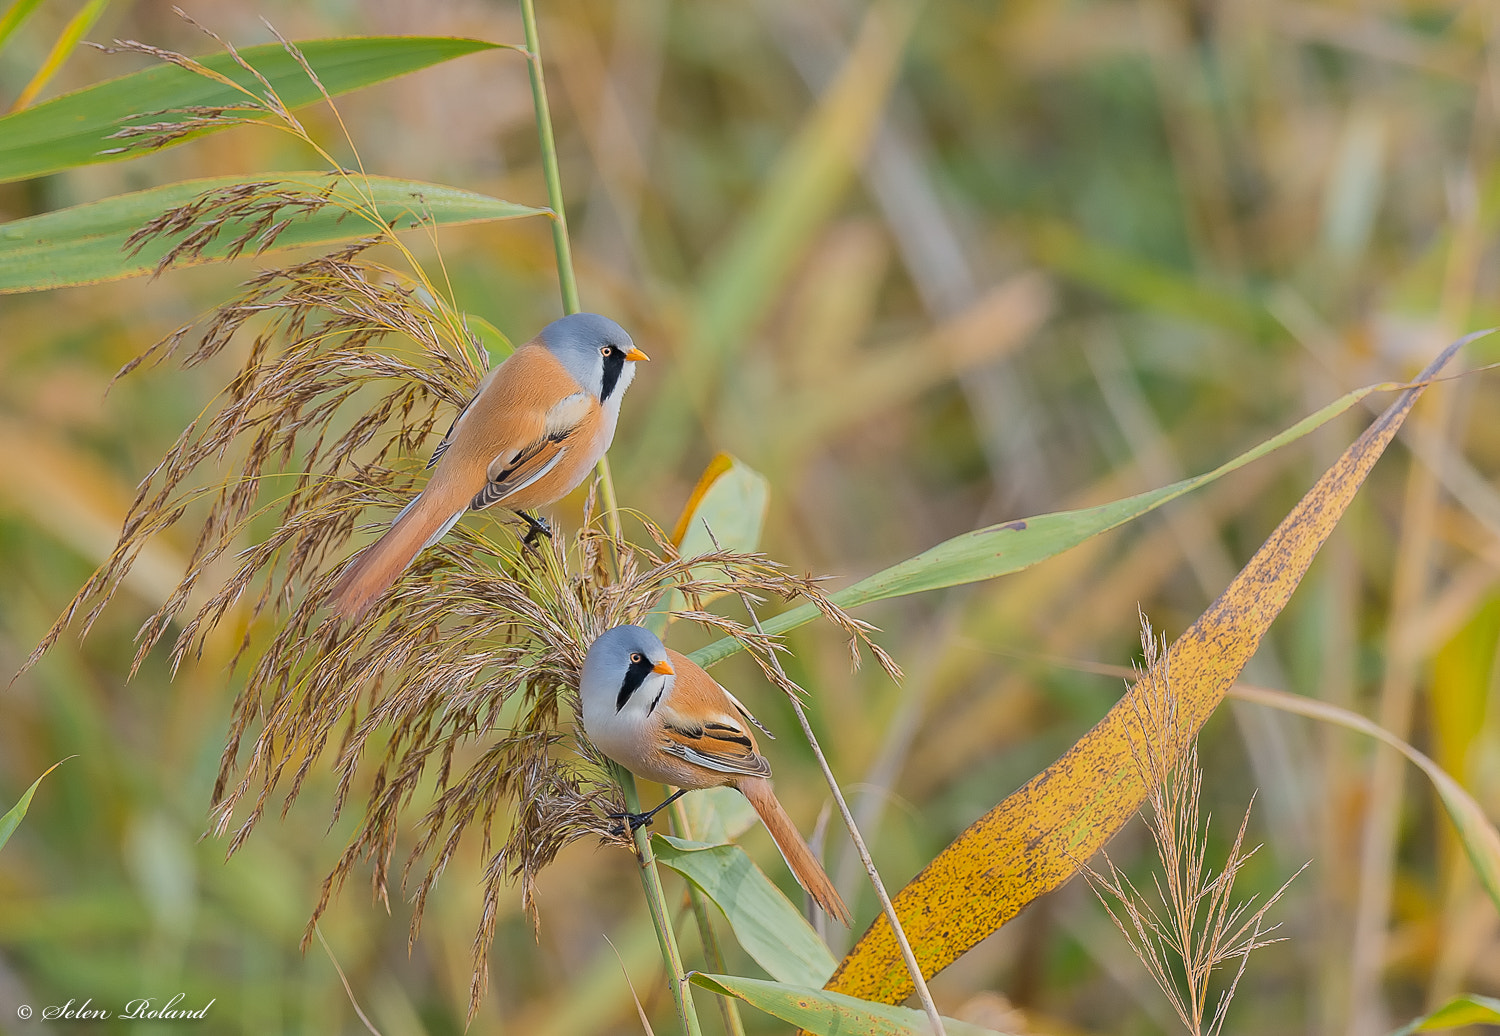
(637, 821)
(536, 527)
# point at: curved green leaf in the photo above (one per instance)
(1467, 1009)
(85, 244)
(75, 129)
(1481, 841)
(12, 819)
(728, 505)
(1002, 549)
(767, 925)
(830, 1014)
(717, 815)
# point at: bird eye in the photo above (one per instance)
(636, 657)
(607, 350)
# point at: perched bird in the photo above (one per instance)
(659, 715)
(538, 423)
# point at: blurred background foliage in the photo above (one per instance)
(1091, 246)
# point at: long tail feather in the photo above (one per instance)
(805, 866)
(382, 562)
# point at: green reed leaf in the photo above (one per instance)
(1467, 1009)
(728, 505)
(75, 129)
(85, 244)
(830, 1014)
(1009, 547)
(1479, 837)
(13, 817)
(767, 925)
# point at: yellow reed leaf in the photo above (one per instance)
(717, 467)
(1036, 838)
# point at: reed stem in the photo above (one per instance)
(567, 283)
(728, 1006)
(661, 915)
(913, 968)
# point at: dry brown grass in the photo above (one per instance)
(1195, 927)
(457, 698)
(262, 108)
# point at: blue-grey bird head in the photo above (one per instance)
(596, 351)
(625, 672)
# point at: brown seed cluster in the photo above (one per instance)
(457, 697)
(464, 680)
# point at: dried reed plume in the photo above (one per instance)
(466, 678)
(1199, 928)
(457, 697)
(259, 108)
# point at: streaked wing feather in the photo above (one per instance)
(745, 712)
(442, 447)
(748, 765)
(529, 465)
(716, 742)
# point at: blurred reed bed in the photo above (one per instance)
(1056, 255)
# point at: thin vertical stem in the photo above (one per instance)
(912, 967)
(566, 282)
(728, 1006)
(565, 279)
(661, 915)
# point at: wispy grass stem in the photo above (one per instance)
(907, 955)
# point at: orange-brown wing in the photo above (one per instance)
(511, 434)
(518, 469)
(442, 447)
(704, 724)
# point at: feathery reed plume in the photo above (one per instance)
(261, 108)
(1199, 928)
(457, 696)
(321, 329)
(466, 676)
(282, 439)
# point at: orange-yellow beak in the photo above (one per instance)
(636, 354)
(664, 667)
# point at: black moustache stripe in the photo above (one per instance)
(614, 364)
(634, 677)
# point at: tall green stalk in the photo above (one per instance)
(550, 170)
(566, 282)
(713, 957)
(661, 913)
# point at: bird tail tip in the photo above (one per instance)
(795, 850)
